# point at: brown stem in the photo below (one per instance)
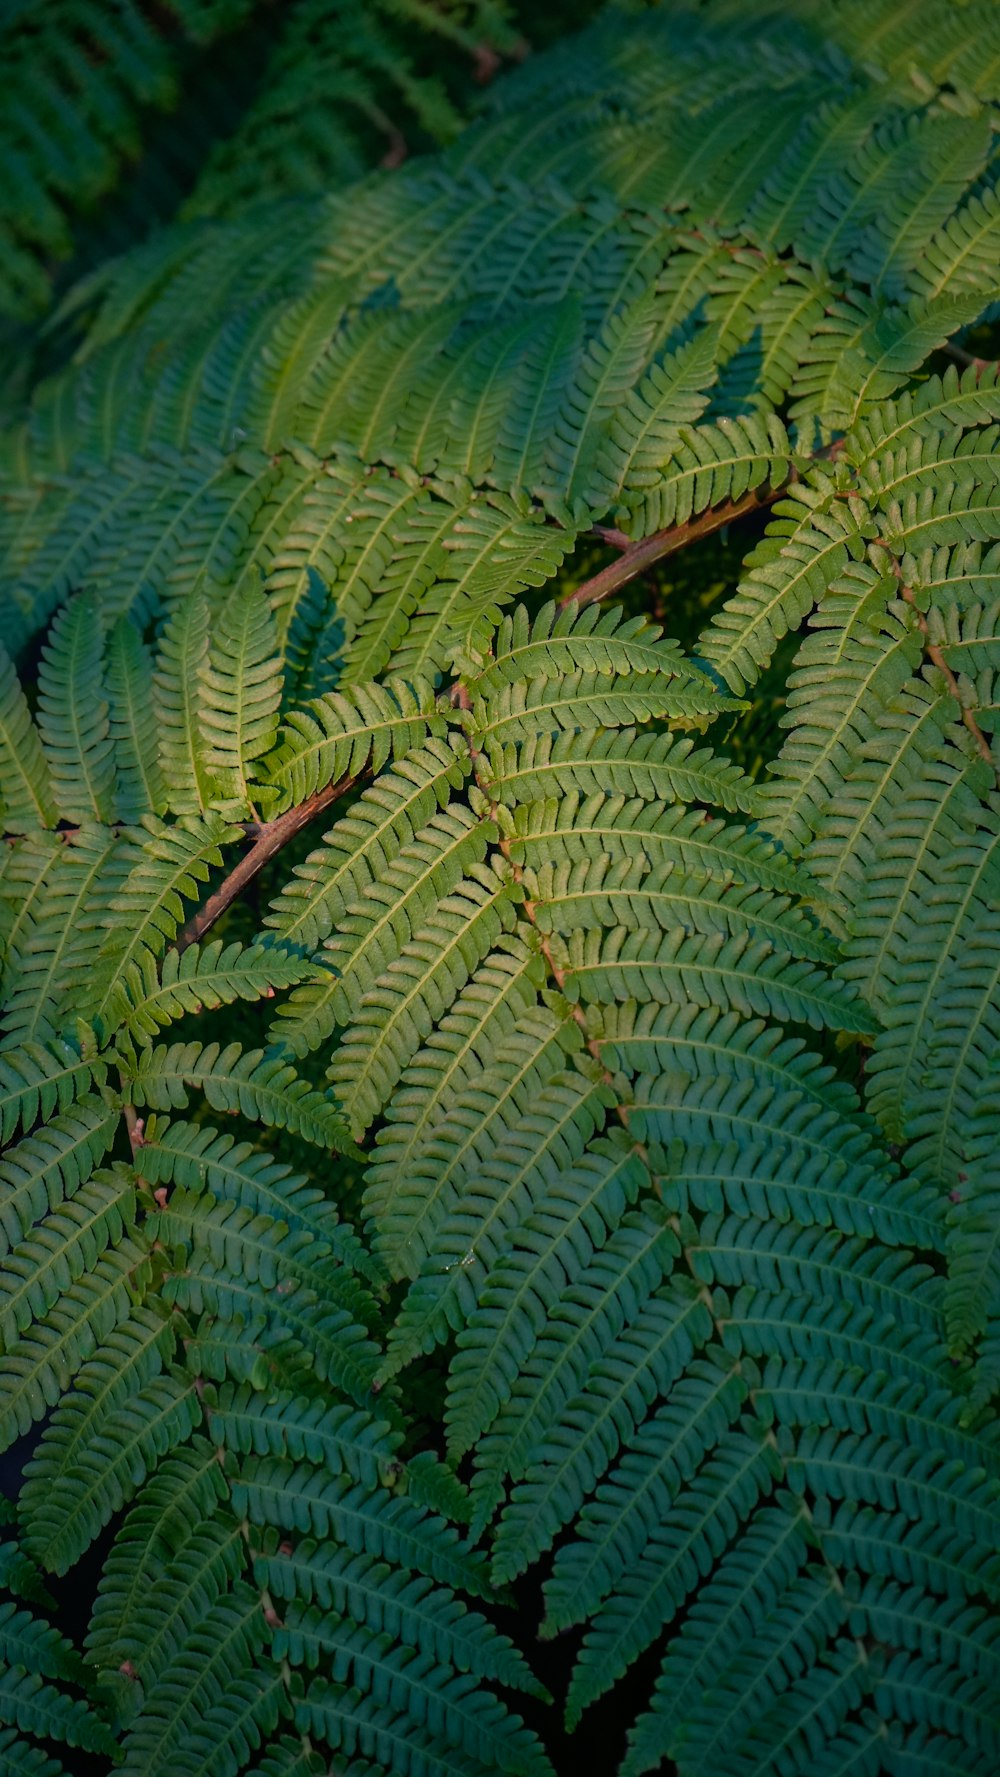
(638, 556)
(270, 838)
(135, 1125)
(936, 658)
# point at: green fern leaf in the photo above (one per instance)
(38, 1365)
(466, 1039)
(140, 788)
(457, 1717)
(708, 465)
(741, 1472)
(742, 972)
(586, 700)
(198, 1157)
(572, 827)
(52, 971)
(166, 867)
(44, 1169)
(240, 696)
(181, 663)
(40, 1079)
(664, 767)
(579, 638)
(119, 1397)
(466, 1242)
(27, 789)
(388, 1527)
(400, 1009)
(808, 545)
(341, 734)
(180, 1498)
(38, 1708)
(375, 928)
(610, 368)
(586, 1319)
(64, 1245)
(387, 816)
(557, 1241)
(259, 1086)
(73, 714)
(210, 975)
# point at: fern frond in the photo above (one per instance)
(140, 788)
(300, 1325)
(956, 399)
(387, 816)
(181, 661)
(391, 913)
(36, 1707)
(554, 1245)
(27, 790)
(660, 767)
(64, 1245)
(627, 893)
(469, 1233)
(44, 1169)
(964, 249)
(741, 1472)
(848, 674)
(168, 865)
(214, 974)
(608, 372)
(199, 1157)
(753, 1575)
(458, 1718)
(467, 1110)
(808, 545)
(132, 1356)
(241, 687)
(497, 547)
(52, 967)
(73, 1489)
(587, 700)
(259, 1086)
(409, 1608)
(27, 864)
(573, 826)
(215, 1665)
(465, 1040)
(654, 1284)
(707, 466)
(644, 433)
(386, 1526)
(341, 734)
(180, 1497)
(73, 714)
(38, 1365)
(40, 1079)
(586, 1318)
(946, 156)
(401, 1007)
(739, 972)
(581, 638)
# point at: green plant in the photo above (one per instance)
(612, 1204)
(90, 85)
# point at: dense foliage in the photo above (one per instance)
(500, 1106)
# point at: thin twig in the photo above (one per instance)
(638, 556)
(270, 838)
